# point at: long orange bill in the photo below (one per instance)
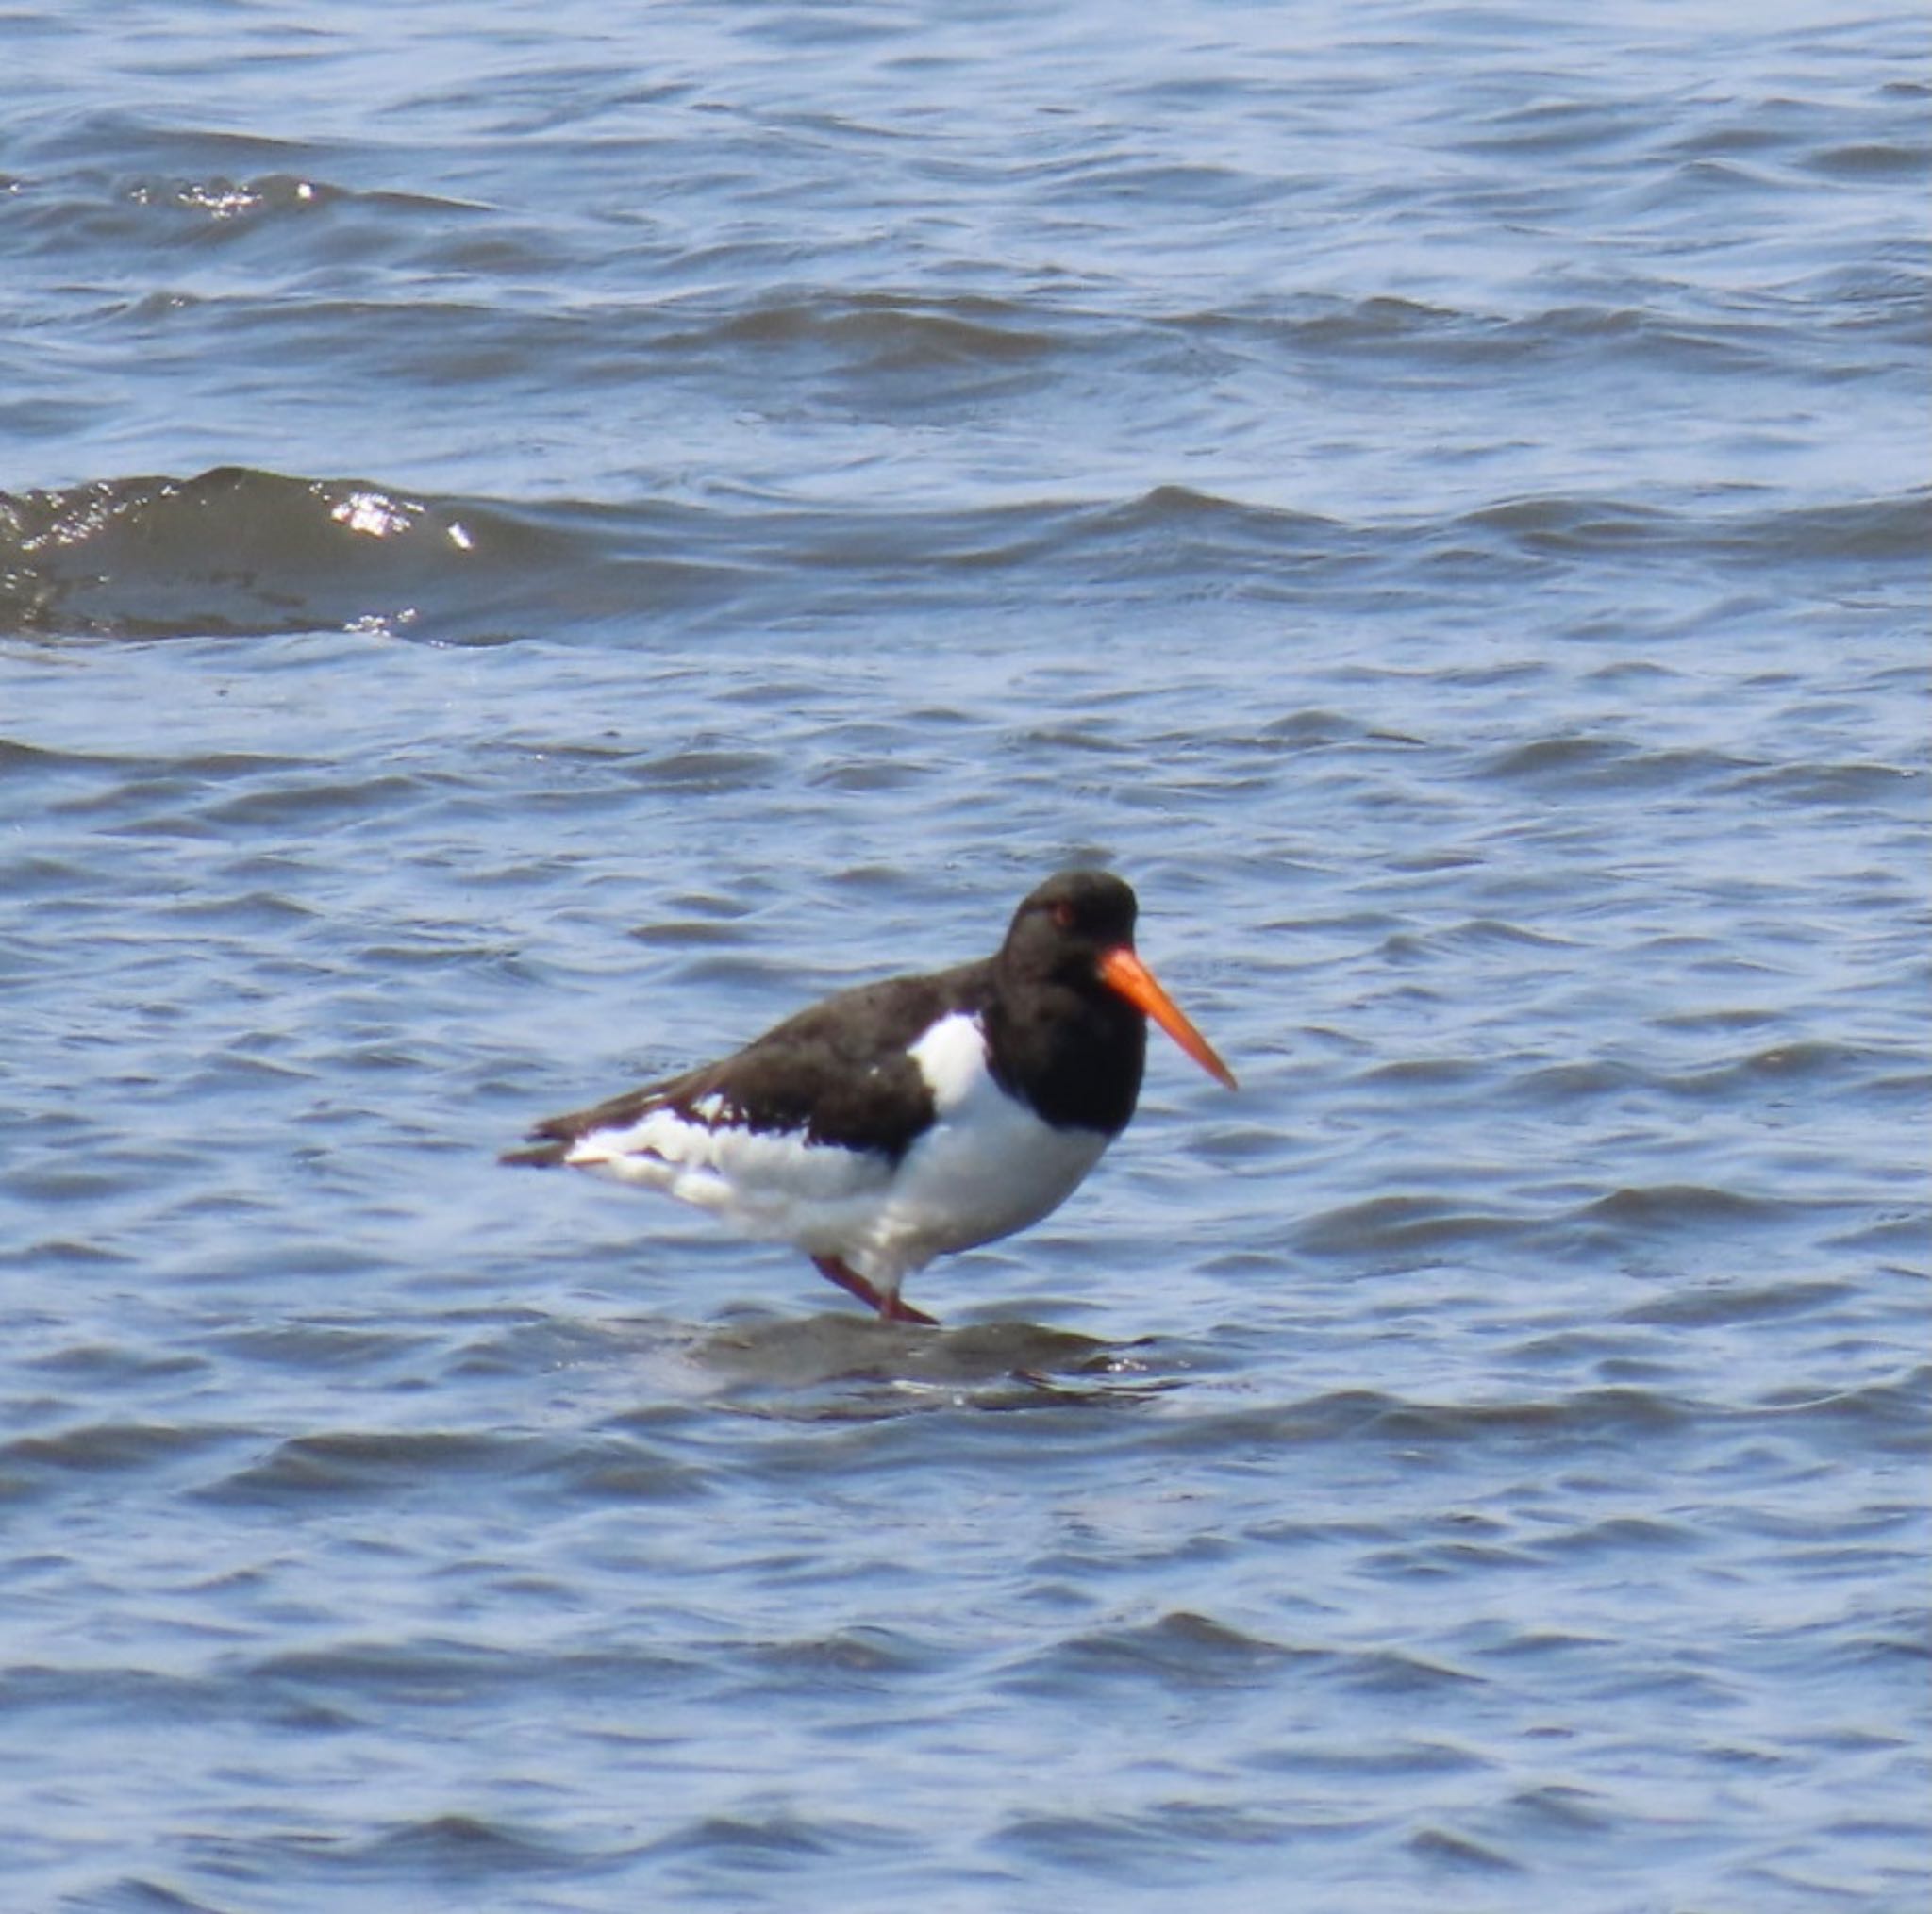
(1122, 971)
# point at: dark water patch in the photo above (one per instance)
(246, 552)
(113, 1693)
(1436, 1431)
(1428, 344)
(878, 332)
(880, 775)
(1241, 1144)
(164, 143)
(1880, 162)
(1388, 1672)
(1711, 1304)
(1449, 1560)
(741, 1842)
(1585, 1412)
(1174, 527)
(708, 769)
(231, 551)
(49, 1183)
(1896, 785)
(454, 1846)
(1559, 1084)
(355, 1466)
(219, 205)
(1902, 1233)
(175, 197)
(1553, 525)
(323, 1348)
(1553, 126)
(246, 911)
(1605, 764)
(1486, 933)
(686, 932)
(57, 1252)
(109, 1448)
(36, 761)
(1621, 1535)
(1367, 1759)
(870, 1659)
(303, 803)
(622, 1472)
(1739, 1016)
(137, 1894)
(1317, 729)
(440, 1674)
(1867, 531)
(1894, 1415)
(1405, 1226)
(1509, 1641)
(1181, 1652)
(1800, 1064)
(1669, 1208)
(111, 1363)
(1164, 1843)
(438, 1853)
(1445, 1849)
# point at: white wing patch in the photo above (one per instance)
(951, 1058)
(763, 1183)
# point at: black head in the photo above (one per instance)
(1068, 924)
(1076, 933)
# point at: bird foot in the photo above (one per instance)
(889, 1308)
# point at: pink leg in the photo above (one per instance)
(890, 1309)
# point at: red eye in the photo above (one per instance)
(1063, 916)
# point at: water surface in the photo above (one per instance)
(531, 546)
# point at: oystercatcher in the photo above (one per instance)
(893, 1123)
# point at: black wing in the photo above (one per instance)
(837, 1072)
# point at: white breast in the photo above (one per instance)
(987, 1167)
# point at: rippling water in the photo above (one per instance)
(532, 545)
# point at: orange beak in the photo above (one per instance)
(1122, 972)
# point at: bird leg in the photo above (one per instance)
(889, 1308)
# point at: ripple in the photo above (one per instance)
(1664, 1207)
(1163, 1845)
(109, 1448)
(1736, 1302)
(710, 769)
(884, 332)
(458, 1844)
(1405, 1224)
(1182, 1651)
(137, 1894)
(741, 1839)
(1461, 1852)
(446, 1675)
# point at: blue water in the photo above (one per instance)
(531, 545)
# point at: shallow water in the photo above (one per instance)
(532, 547)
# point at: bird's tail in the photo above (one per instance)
(545, 1154)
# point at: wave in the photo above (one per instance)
(237, 552)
